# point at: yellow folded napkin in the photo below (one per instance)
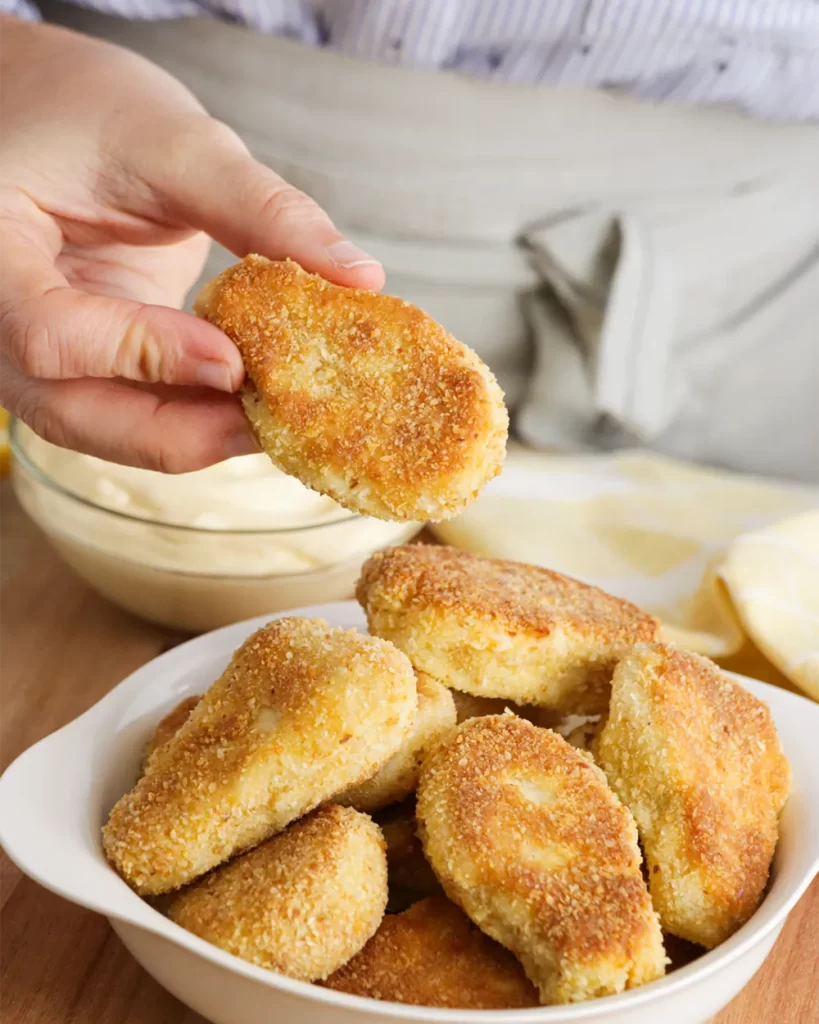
(730, 564)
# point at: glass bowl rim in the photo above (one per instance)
(30, 466)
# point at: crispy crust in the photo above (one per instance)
(302, 712)
(697, 759)
(500, 629)
(169, 726)
(360, 395)
(432, 955)
(302, 903)
(398, 778)
(526, 837)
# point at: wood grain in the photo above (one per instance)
(62, 649)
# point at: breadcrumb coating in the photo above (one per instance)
(525, 836)
(393, 781)
(495, 628)
(361, 396)
(697, 760)
(398, 778)
(300, 904)
(302, 712)
(169, 726)
(432, 955)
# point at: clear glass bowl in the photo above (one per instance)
(144, 565)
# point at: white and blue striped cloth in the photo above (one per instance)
(759, 55)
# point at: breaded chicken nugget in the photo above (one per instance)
(302, 903)
(500, 629)
(410, 877)
(361, 396)
(697, 759)
(302, 712)
(525, 836)
(432, 955)
(398, 778)
(169, 726)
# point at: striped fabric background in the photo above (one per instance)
(760, 55)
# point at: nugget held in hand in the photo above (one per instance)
(501, 629)
(361, 396)
(399, 776)
(432, 955)
(697, 759)
(302, 712)
(527, 838)
(302, 903)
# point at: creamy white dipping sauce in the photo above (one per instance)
(242, 494)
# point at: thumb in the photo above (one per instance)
(212, 183)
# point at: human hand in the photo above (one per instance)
(113, 176)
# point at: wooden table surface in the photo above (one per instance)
(62, 649)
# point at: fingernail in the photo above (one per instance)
(215, 375)
(346, 255)
(242, 443)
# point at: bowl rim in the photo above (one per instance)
(147, 918)
(22, 457)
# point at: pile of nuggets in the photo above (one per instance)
(419, 814)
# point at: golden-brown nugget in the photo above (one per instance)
(396, 779)
(302, 712)
(526, 837)
(399, 776)
(432, 955)
(500, 629)
(169, 726)
(302, 903)
(697, 759)
(360, 395)
(410, 877)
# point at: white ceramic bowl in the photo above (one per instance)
(56, 796)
